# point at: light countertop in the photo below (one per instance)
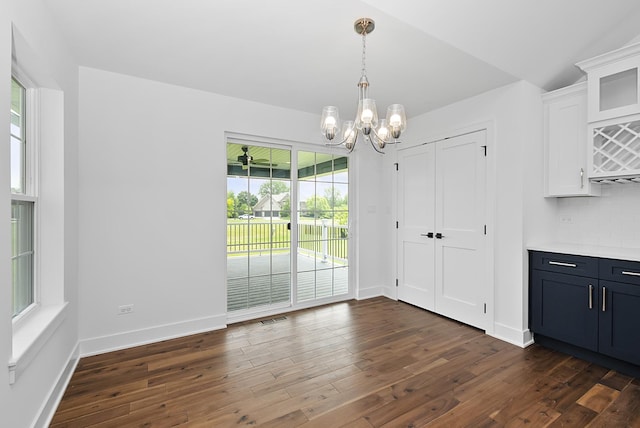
(619, 253)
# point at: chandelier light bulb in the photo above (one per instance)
(395, 120)
(367, 116)
(330, 122)
(383, 131)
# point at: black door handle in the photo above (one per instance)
(439, 235)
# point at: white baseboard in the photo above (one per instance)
(521, 338)
(129, 339)
(369, 293)
(50, 406)
(390, 292)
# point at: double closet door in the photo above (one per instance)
(441, 227)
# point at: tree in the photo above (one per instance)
(247, 199)
(272, 187)
(231, 207)
(318, 207)
(334, 197)
(285, 209)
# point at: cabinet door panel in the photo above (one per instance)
(620, 321)
(565, 127)
(561, 309)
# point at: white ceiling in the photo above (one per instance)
(304, 54)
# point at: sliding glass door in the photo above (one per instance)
(268, 266)
(323, 226)
(258, 226)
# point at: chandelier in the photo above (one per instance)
(366, 124)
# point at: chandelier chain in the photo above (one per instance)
(364, 49)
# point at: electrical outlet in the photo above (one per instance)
(125, 309)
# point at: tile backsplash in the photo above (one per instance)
(612, 219)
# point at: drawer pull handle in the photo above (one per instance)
(625, 272)
(572, 265)
(590, 296)
(604, 299)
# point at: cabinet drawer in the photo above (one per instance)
(565, 263)
(620, 271)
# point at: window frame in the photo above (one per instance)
(30, 191)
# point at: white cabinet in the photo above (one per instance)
(613, 86)
(565, 138)
(615, 146)
(613, 83)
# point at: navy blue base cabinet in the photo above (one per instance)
(587, 306)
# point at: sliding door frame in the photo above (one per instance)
(293, 304)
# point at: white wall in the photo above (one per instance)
(517, 207)
(609, 220)
(153, 204)
(29, 401)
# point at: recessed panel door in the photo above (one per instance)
(459, 224)
(416, 192)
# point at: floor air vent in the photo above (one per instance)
(273, 320)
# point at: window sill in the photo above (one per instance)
(32, 334)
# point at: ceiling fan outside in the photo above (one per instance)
(245, 159)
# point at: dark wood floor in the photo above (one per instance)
(358, 364)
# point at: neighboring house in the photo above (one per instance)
(270, 205)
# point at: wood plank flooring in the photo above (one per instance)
(371, 363)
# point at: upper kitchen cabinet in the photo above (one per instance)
(613, 106)
(565, 143)
(613, 83)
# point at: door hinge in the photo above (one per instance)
(396, 282)
(485, 308)
(485, 229)
(397, 225)
(396, 164)
(485, 150)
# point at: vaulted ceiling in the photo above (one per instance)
(304, 54)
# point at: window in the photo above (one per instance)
(23, 203)
(36, 167)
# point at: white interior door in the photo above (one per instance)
(416, 193)
(460, 219)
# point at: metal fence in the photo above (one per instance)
(324, 239)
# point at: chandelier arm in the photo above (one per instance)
(386, 142)
(353, 146)
(374, 146)
(377, 136)
(336, 144)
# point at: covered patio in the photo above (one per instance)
(264, 278)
